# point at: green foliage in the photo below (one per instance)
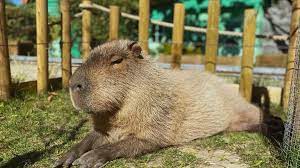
(21, 21)
(165, 48)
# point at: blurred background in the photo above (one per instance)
(273, 18)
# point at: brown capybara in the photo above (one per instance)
(137, 107)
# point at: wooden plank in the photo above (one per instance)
(114, 15)
(86, 30)
(292, 51)
(66, 43)
(144, 10)
(177, 37)
(42, 45)
(248, 54)
(5, 78)
(212, 36)
(31, 86)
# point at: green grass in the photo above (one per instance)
(292, 153)
(34, 132)
(254, 149)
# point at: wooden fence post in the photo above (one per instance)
(113, 22)
(248, 54)
(66, 43)
(212, 36)
(292, 51)
(86, 28)
(42, 46)
(144, 10)
(177, 37)
(5, 78)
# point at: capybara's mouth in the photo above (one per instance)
(74, 100)
(77, 104)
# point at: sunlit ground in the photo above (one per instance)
(35, 131)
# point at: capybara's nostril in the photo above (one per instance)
(78, 87)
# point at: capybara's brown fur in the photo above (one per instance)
(137, 107)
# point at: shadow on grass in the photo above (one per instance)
(31, 157)
(72, 134)
(26, 159)
(272, 126)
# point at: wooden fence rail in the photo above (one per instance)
(186, 28)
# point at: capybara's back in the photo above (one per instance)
(211, 106)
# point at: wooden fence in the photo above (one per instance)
(178, 26)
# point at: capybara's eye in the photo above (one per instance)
(117, 61)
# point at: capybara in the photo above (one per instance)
(137, 107)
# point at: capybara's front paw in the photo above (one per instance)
(91, 159)
(67, 159)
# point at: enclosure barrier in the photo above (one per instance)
(177, 37)
(66, 43)
(144, 19)
(144, 11)
(248, 54)
(212, 36)
(291, 146)
(170, 25)
(86, 26)
(292, 51)
(113, 22)
(42, 45)
(5, 79)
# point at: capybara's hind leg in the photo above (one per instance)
(244, 127)
(247, 119)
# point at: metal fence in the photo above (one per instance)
(292, 128)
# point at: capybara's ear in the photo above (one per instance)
(136, 49)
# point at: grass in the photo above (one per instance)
(254, 149)
(292, 152)
(35, 131)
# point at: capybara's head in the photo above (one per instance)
(102, 82)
